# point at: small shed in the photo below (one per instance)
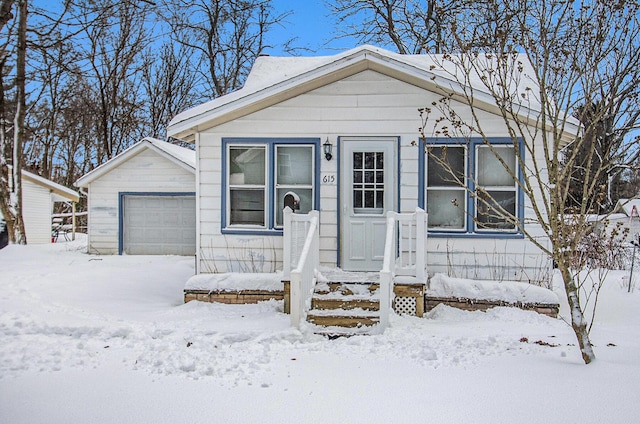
(38, 197)
(142, 202)
(628, 213)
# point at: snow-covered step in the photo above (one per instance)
(343, 318)
(346, 302)
(347, 288)
(345, 305)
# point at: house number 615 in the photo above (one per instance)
(329, 179)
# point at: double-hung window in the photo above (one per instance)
(260, 174)
(472, 187)
(446, 192)
(496, 188)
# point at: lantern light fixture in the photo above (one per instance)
(327, 148)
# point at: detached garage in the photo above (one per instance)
(142, 202)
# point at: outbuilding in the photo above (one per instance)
(142, 202)
(38, 197)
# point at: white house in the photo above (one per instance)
(143, 201)
(38, 198)
(267, 139)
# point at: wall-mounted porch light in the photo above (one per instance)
(327, 148)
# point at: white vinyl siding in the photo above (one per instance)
(36, 211)
(367, 104)
(146, 172)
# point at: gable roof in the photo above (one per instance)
(60, 193)
(181, 156)
(626, 205)
(276, 79)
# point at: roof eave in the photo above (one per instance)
(342, 67)
(132, 151)
(55, 188)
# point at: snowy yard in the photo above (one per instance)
(107, 339)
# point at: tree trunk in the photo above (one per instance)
(578, 323)
(19, 235)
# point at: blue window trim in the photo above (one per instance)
(470, 144)
(270, 144)
(123, 194)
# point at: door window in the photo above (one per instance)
(368, 182)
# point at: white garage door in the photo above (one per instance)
(159, 225)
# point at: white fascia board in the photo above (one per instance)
(55, 188)
(340, 66)
(129, 153)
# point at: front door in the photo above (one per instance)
(368, 190)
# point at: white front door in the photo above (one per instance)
(368, 190)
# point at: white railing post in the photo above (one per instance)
(287, 234)
(303, 277)
(421, 236)
(388, 270)
(404, 254)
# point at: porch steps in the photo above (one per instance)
(345, 308)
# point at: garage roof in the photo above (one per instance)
(183, 157)
(59, 192)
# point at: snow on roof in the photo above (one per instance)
(180, 155)
(185, 155)
(272, 75)
(59, 192)
(626, 205)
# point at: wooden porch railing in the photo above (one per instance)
(301, 259)
(404, 254)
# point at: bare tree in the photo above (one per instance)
(116, 35)
(225, 36)
(580, 55)
(11, 177)
(170, 85)
(410, 26)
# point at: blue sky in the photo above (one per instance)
(311, 23)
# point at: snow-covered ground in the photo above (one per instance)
(107, 339)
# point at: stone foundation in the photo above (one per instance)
(423, 303)
(400, 290)
(233, 298)
(482, 305)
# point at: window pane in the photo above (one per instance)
(490, 213)
(246, 165)
(247, 207)
(357, 198)
(305, 205)
(445, 164)
(490, 171)
(368, 182)
(445, 209)
(295, 165)
(357, 160)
